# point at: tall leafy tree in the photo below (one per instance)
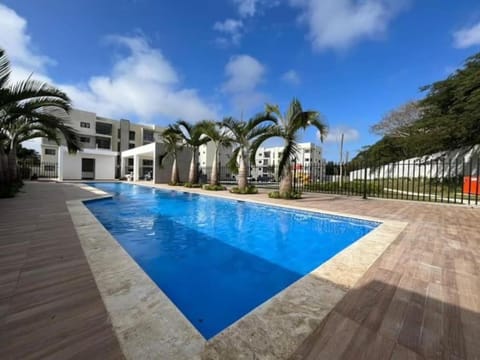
(31, 109)
(397, 123)
(194, 138)
(449, 118)
(173, 140)
(243, 134)
(288, 126)
(220, 137)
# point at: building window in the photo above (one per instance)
(131, 146)
(85, 125)
(307, 159)
(266, 154)
(265, 162)
(148, 135)
(260, 154)
(147, 162)
(49, 167)
(84, 139)
(102, 143)
(103, 128)
(131, 136)
(50, 152)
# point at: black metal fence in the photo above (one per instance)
(439, 180)
(36, 169)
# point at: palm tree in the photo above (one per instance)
(194, 138)
(220, 137)
(172, 138)
(31, 109)
(243, 135)
(288, 126)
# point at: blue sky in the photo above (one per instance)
(155, 62)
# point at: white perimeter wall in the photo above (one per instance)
(72, 166)
(459, 162)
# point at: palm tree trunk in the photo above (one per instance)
(4, 176)
(242, 172)
(175, 179)
(214, 175)
(192, 175)
(12, 163)
(286, 182)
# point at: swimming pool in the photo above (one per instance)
(219, 259)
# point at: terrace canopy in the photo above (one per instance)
(138, 154)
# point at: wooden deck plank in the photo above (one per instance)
(434, 310)
(50, 306)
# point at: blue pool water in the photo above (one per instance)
(218, 259)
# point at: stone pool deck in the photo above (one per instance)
(420, 299)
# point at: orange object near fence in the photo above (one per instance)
(470, 185)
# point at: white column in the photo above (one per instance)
(60, 164)
(136, 167)
(122, 166)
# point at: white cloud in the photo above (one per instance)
(246, 7)
(232, 29)
(244, 75)
(339, 24)
(142, 83)
(250, 8)
(467, 37)
(335, 134)
(15, 40)
(291, 77)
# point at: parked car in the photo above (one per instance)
(265, 178)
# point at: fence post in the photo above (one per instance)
(365, 182)
(295, 174)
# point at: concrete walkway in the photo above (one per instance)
(50, 306)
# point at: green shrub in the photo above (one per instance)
(250, 189)
(190, 185)
(288, 196)
(176, 184)
(213, 187)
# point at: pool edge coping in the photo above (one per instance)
(284, 321)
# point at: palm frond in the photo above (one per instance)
(259, 119)
(321, 126)
(29, 90)
(274, 109)
(234, 126)
(266, 133)
(289, 151)
(232, 163)
(4, 68)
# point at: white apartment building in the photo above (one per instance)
(103, 140)
(206, 153)
(267, 159)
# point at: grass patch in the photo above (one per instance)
(213, 187)
(190, 185)
(250, 189)
(293, 195)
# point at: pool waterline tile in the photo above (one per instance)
(282, 322)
